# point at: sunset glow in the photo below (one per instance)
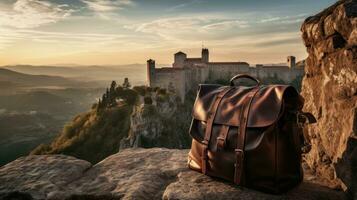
(106, 32)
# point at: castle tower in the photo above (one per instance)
(205, 55)
(150, 71)
(291, 61)
(180, 58)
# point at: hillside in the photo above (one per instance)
(39, 101)
(135, 72)
(124, 118)
(100, 130)
(22, 79)
(20, 133)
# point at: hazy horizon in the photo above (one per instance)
(119, 32)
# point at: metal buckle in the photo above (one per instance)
(299, 122)
(239, 152)
(221, 143)
(205, 142)
(239, 157)
(221, 138)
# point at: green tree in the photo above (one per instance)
(119, 90)
(112, 91)
(126, 83)
(104, 101)
(129, 96)
(141, 90)
(147, 100)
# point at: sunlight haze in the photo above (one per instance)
(108, 32)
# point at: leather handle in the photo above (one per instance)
(239, 76)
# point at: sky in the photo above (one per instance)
(114, 32)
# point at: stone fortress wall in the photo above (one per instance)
(186, 73)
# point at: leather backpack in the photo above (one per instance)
(252, 136)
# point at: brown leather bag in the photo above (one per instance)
(251, 136)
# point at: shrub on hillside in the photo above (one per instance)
(147, 100)
(141, 90)
(100, 130)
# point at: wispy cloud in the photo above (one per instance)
(107, 5)
(75, 40)
(107, 8)
(190, 27)
(285, 19)
(183, 5)
(33, 13)
(226, 25)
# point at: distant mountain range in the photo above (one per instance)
(20, 79)
(135, 72)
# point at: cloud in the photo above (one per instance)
(183, 5)
(73, 41)
(107, 5)
(190, 27)
(33, 13)
(271, 19)
(285, 19)
(226, 24)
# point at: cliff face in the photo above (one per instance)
(330, 92)
(130, 174)
(164, 122)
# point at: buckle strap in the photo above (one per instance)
(238, 165)
(222, 137)
(241, 136)
(204, 159)
(209, 125)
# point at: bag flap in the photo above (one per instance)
(264, 110)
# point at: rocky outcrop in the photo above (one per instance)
(130, 174)
(330, 92)
(163, 122)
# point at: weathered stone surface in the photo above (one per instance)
(131, 174)
(40, 175)
(330, 92)
(192, 185)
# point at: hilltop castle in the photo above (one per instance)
(186, 73)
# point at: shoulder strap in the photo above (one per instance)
(210, 119)
(241, 136)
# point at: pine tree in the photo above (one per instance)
(108, 98)
(112, 88)
(112, 92)
(126, 83)
(104, 101)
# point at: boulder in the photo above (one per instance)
(155, 173)
(330, 91)
(40, 176)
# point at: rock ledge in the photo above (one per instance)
(155, 173)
